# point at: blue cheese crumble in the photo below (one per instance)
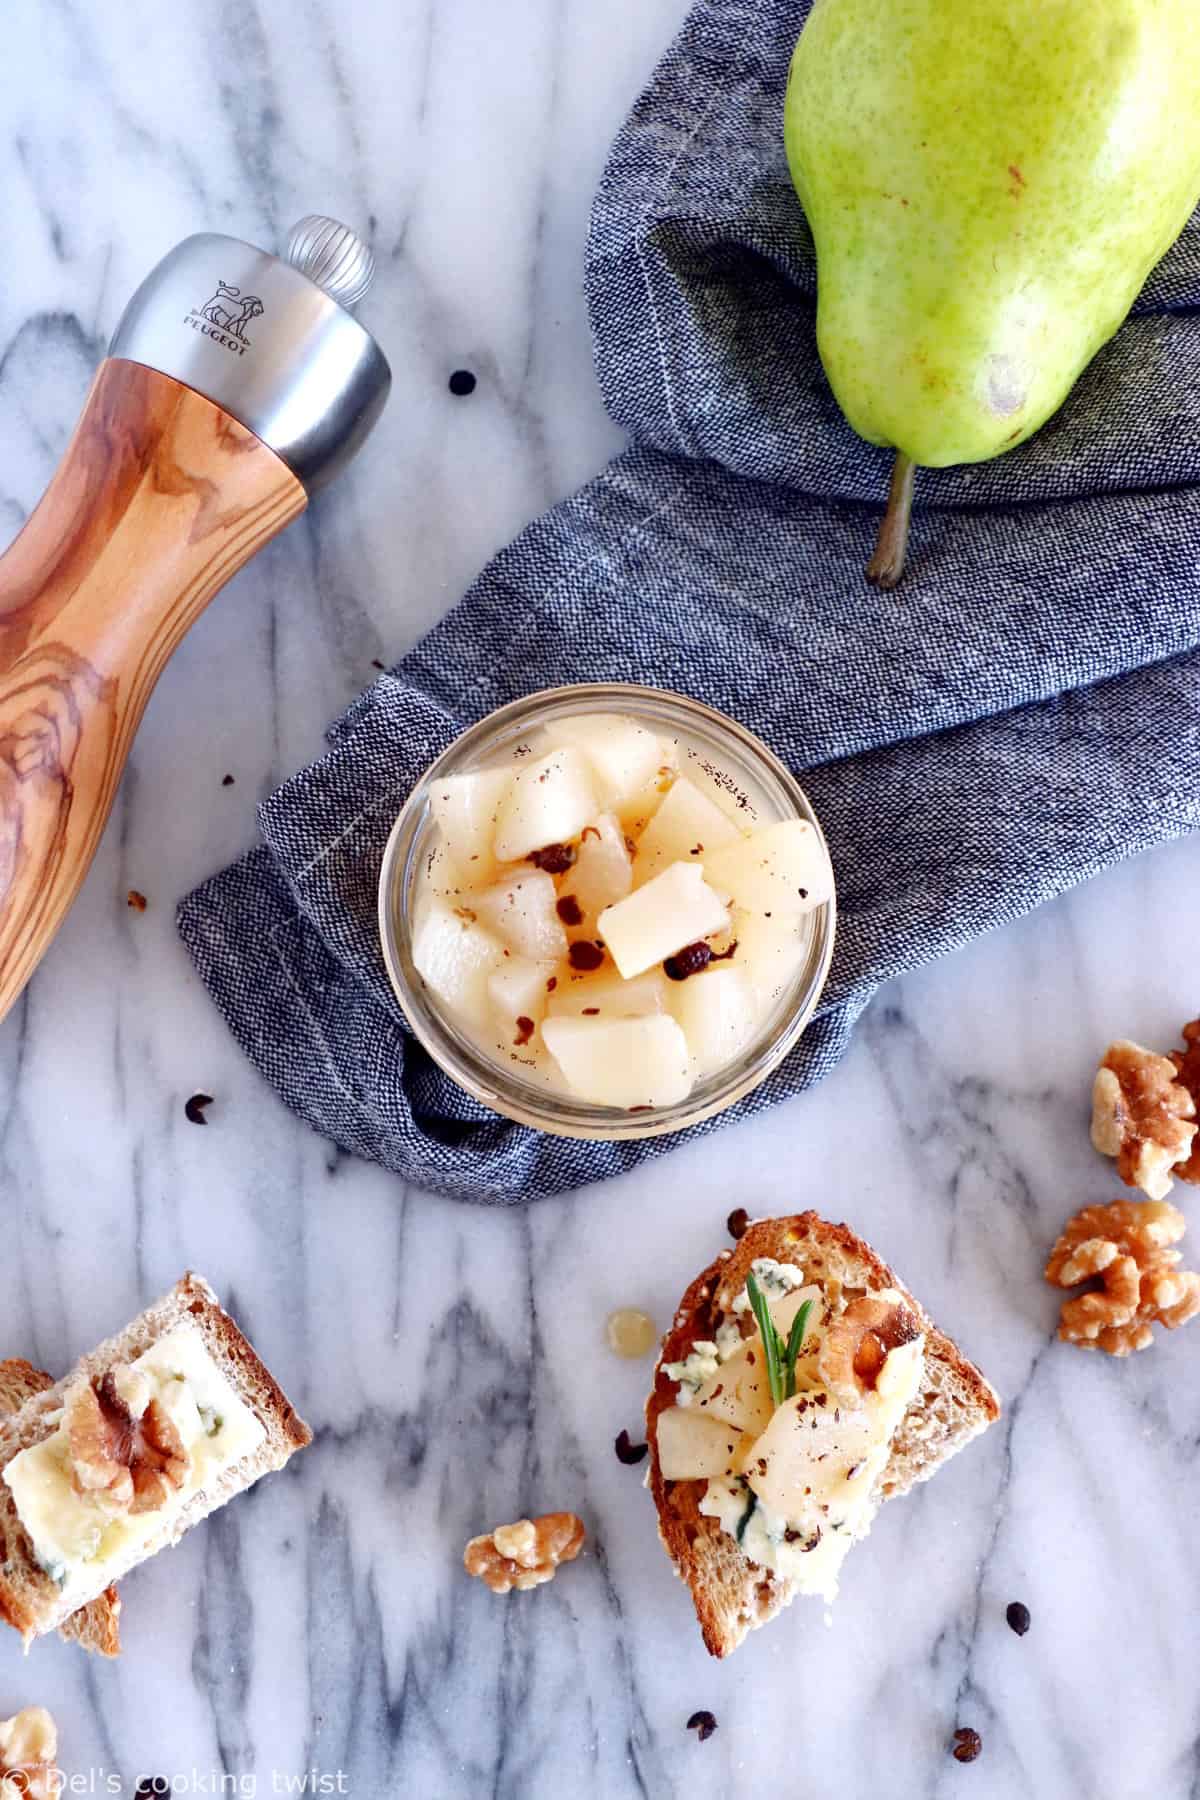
(698, 1366)
(775, 1279)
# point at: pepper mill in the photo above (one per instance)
(236, 383)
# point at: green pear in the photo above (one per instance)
(988, 183)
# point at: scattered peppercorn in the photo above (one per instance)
(227, 781)
(461, 383)
(135, 900)
(555, 859)
(703, 1724)
(569, 910)
(524, 1030)
(591, 1012)
(967, 1744)
(737, 1222)
(688, 961)
(1018, 1617)
(585, 956)
(194, 1108)
(376, 664)
(552, 984)
(627, 1452)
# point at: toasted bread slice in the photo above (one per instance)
(29, 1599)
(97, 1626)
(731, 1594)
(18, 1380)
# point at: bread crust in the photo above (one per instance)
(29, 1600)
(732, 1595)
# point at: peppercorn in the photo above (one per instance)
(688, 961)
(967, 1744)
(554, 859)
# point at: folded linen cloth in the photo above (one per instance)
(1019, 714)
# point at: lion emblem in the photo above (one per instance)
(232, 310)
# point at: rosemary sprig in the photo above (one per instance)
(770, 1339)
(792, 1347)
(780, 1357)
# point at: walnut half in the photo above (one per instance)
(1142, 1114)
(526, 1554)
(1125, 1247)
(123, 1444)
(858, 1342)
(28, 1748)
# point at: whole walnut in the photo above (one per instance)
(1125, 1250)
(28, 1748)
(525, 1554)
(1143, 1115)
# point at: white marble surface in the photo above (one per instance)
(449, 1358)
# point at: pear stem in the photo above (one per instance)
(887, 565)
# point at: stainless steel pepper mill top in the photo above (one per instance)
(269, 339)
(235, 385)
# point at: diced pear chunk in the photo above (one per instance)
(444, 877)
(603, 870)
(784, 1308)
(739, 1392)
(783, 1312)
(782, 870)
(692, 1447)
(770, 953)
(812, 1443)
(686, 827)
(621, 1062)
(676, 908)
(816, 1453)
(716, 1010)
(464, 808)
(521, 912)
(622, 755)
(548, 801)
(606, 996)
(639, 807)
(725, 793)
(455, 957)
(517, 990)
(524, 1061)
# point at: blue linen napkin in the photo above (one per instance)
(1019, 714)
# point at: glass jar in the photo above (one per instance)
(732, 757)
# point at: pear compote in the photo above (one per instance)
(600, 910)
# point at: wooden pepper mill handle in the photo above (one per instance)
(160, 498)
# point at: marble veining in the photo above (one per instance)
(451, 1360)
